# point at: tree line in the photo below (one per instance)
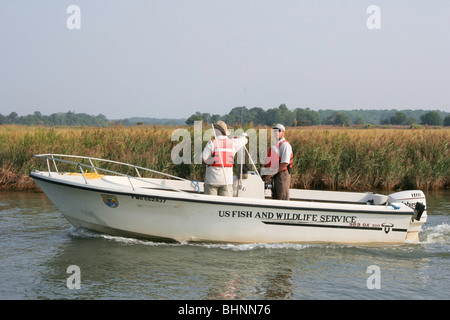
(56, 119)
(243, 115)
(308, 117)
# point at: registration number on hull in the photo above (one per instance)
(150, 199)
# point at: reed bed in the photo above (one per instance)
(324, 157)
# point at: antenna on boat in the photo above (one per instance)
(221, 161)
(248, 153)
(242, 154)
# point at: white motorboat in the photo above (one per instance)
(173, 208)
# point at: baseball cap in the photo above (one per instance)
(279, 126)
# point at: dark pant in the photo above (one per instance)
(280, 186)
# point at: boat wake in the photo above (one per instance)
(436, 234)
(88, 234)
(85, 234)
(254, 246)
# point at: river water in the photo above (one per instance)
(38, 247)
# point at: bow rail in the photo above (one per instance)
(54, 158)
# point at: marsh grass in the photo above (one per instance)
(352, 159)
(324, 157)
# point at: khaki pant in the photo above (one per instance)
(218, 190)
(280, 185)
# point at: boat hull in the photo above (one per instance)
(170, 216)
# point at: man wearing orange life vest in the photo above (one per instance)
(219, 157)
(278, 164)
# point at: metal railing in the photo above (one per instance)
(58, 158)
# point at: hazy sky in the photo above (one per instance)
(171, 58)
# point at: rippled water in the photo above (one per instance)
(38, 245)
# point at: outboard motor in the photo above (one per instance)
(414, 199)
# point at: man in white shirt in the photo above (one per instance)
(278, 164)
(219, 156)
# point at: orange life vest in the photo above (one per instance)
(223, 148)
(275, 156)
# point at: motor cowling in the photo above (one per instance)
(414, 199)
